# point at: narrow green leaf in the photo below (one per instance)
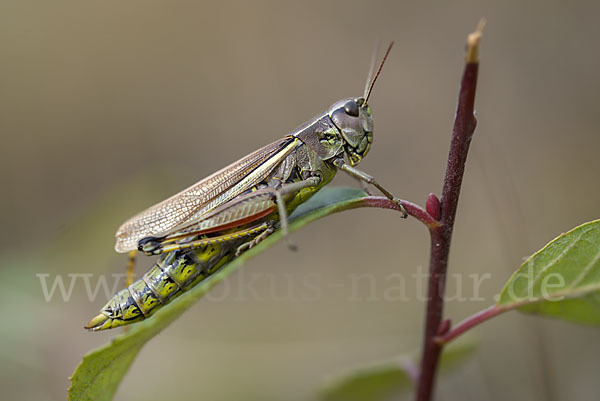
(100, 372)
(388, 378)
(561, 280)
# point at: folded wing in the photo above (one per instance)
(191, 204)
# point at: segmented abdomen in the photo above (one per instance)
(174, 273)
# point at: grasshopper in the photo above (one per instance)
(199, 230)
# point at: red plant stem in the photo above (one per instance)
(464, 126)
(470, 322)
(412, 209)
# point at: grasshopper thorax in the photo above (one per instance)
(354, 120)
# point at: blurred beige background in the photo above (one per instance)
(108, 107)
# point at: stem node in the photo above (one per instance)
(433, 206)
(444, 327)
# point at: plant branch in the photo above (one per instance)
(469, 323)
(464, 126)
(412, 209)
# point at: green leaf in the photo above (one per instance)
(378, 381)
(100, 372)
(561, 280)
(583, 310)
(388, 378)
(456, 354)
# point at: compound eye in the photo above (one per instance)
(351, 108)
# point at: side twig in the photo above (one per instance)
(469, 323)
(412, 209)
(464, 126)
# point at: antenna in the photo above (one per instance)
(374, 54)
(370, 87)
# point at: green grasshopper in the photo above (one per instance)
(199, 230)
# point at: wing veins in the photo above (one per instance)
(189, 205)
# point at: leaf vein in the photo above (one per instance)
(586, 270)
(556, 259)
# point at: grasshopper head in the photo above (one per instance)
(354, 120)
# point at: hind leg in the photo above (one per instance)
(255, 241)
(130, 268)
